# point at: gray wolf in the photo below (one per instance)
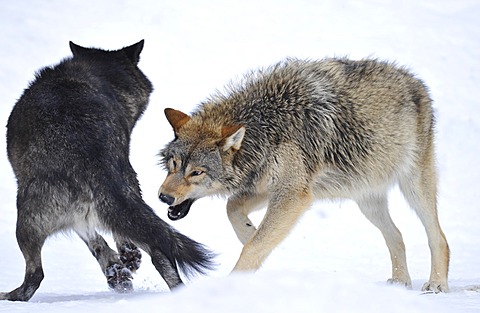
(304, 130)
(68, 140)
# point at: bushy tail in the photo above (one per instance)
(191, 257)
(149, 232)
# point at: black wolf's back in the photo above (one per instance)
(76, 113)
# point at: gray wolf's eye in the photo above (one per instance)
(196, 173)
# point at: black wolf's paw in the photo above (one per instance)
(130, 256)
(119, 278)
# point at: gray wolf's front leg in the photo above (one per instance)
(282, 214)
(238, 208)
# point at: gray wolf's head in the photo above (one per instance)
(197, 160)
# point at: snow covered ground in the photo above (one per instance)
(334, 260)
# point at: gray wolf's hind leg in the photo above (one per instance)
(420, 192)
(117, 273)
(375, 208)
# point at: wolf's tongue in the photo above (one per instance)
(181, 210)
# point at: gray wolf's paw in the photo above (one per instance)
(435, 287)
(119, 278)
(130, 256)
(400, 282)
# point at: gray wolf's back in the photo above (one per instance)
(339, 112)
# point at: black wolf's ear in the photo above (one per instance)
(176, 118)
(76, 49)
(133, 51)
(232, 137)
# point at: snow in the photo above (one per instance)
(334, 260)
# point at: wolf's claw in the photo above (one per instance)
(119, 278)
(130, 256)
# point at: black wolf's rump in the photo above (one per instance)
(68, 142)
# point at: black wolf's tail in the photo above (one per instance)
(133, 219)
(191, 257)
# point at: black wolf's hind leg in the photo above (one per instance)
(167, 269)
(30, 243)
(118, 276)
(129, 253)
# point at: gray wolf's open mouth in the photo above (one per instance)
(180, 210)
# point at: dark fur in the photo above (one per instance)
(68, 143)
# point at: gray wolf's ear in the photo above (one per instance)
(133, 51)
(232, 137)
(76, 49)
(176, 118)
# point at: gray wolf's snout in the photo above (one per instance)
(166, 199)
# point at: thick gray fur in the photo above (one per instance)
(304, 130)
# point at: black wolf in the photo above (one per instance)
(68, 143)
